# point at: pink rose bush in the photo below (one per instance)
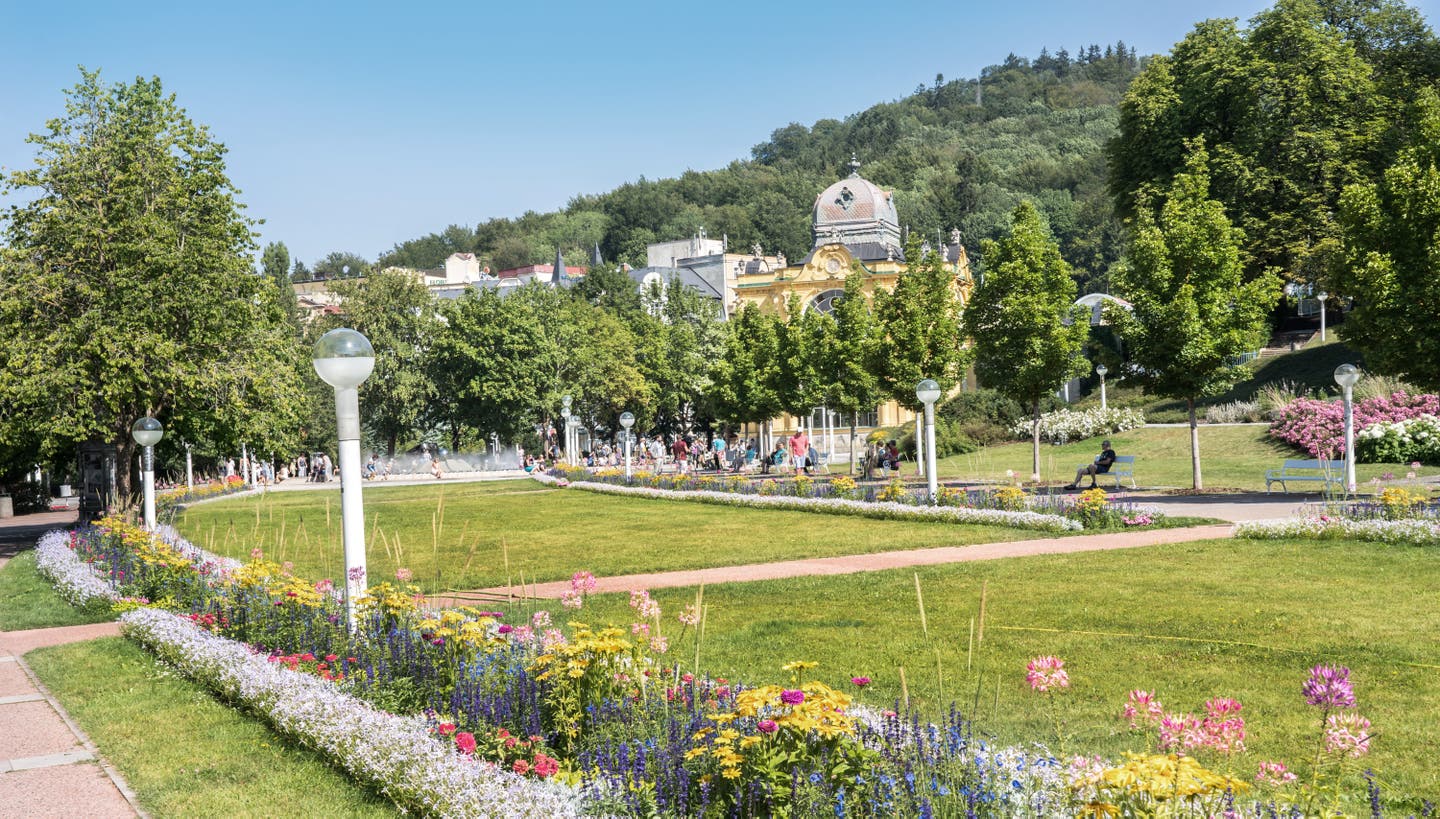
(1318, 427)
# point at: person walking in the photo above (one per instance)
(800, 451)
(681, 451)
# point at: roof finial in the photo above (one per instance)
(854, 166)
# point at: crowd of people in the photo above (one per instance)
(691, 454)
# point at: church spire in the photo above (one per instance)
(558, 276)
(854, 166)
(595, 258)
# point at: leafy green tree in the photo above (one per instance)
(1022, 319)
(609, 287)
(742, 383)
(126, 288)
(1392, 249)
(1194, 315)
(275, 264)
(397, 313)
(301, 273)
(853, 387)
(1294, 109)
(919, 327)
(796, 384)
(490, 362)
(342, 265)
(677, 346)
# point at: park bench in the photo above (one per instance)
(1311, 471)
(1124, 467)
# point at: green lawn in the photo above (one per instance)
(27, 600)
(1231, 457)
(1189, 621)
(183, 752)
(547, 534)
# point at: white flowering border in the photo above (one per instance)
(1417, 532)
(396, 755)
(884, 510)
(76, 581)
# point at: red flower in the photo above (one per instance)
(446, 729)
(465, 741)
(521, 767)
(545, 766)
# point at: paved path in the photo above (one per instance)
(850, 564)
(48, 766)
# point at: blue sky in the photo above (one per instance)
(357, 126)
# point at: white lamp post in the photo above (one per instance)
(627, 420)
(1100, 370)
(189, 470)
(344, 359)
(565, 413)
(1346, 375)
(1322, 295)
(147, 432)
(929, 392)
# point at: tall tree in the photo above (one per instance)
(919, 329)
(853, 386)
(610, 287)
(275, 264)
(126, 287)
(742, 382)
(342, 265)
(1194, 314)
(397, 313)
(1392, 257)
(1026, 331)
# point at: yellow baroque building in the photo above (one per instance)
(855, 224)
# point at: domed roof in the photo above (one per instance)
(854, 200)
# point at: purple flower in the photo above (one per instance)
(1329, 687)
(356, 574)
(792, 696)
(767, 726)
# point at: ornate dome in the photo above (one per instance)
(854, 211)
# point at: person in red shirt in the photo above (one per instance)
(800, 451)
(681, 451)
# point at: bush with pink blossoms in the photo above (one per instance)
(1318, 427)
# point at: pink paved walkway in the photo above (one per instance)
(849, 564)
(48, 767)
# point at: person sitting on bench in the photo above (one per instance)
(1101, 466)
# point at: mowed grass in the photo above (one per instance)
(28, 600)
(1243, 619)
(183, 752)
(1231, 457)
(494, 534)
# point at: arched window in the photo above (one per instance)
(825, 302)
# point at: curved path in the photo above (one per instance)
(850, 564)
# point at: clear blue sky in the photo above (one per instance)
(356, 126)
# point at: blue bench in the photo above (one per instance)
(1324, 473)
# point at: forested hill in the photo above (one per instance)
(957, 154)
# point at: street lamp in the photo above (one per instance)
(147, 432)
(189, 470)
(343, 359)
(1100, 370)
(1322, 296)
(1346, 375)
(627, 420)
(929, 392)
(565, 401)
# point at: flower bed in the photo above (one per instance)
(882, 509)
(458, 713)
(73, 578)
(400, 757)
(999, 506)
(172, 500)
(1318, 427)
(1065, 425)
(1326, 527)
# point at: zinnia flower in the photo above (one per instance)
(767, 726)
(1329, 687)
(791, 696)
(860, 681)
(1045, 673)
(465, 741)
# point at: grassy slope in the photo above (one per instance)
(1230, 457)
(27, 600)
(183, 752)
(1218, 618)
(548, 534)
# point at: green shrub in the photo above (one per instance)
(983, 417)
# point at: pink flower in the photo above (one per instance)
(659, 644)
(551, 638)
(1274, 773)
(642, 603)
(1347, 734)
(257, 553)
(860, 682)
(505, 628)
(689, 616)
(404, 575)
(1045, 673)
(792, 696)
(640, 629)
(521, 767)
(465, 741)
(325, 586)
(571, 600)
(582, 582)
(1141, 706)
(767, 726)
(545, 766)
(356, 575)
(541, 619)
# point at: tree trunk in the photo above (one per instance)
(454, 437)
(1035, 441)
(124, 471)
(1194, 446)
(854, 422)
(390, 446)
